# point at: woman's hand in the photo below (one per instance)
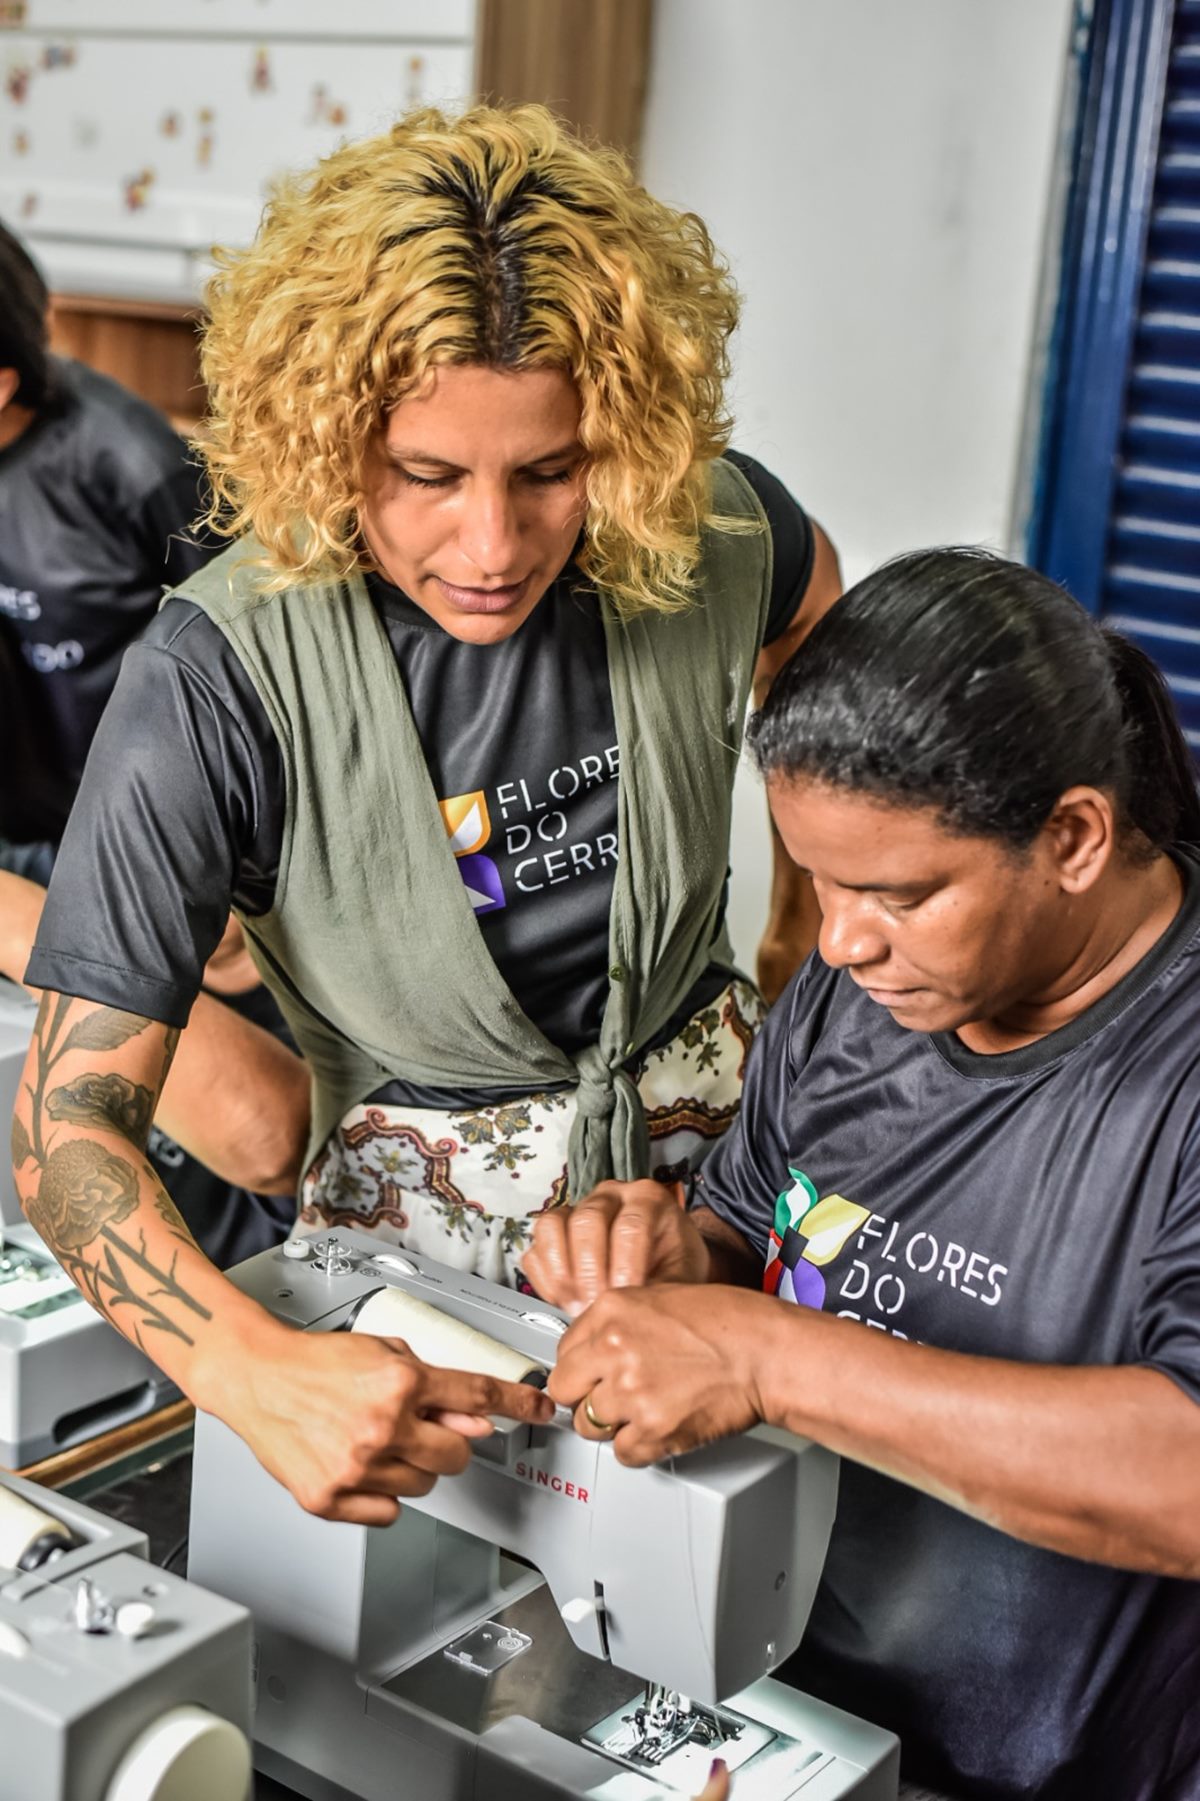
(623, 1235)
(664, 1369)
(717, 1786)
(349, 1423)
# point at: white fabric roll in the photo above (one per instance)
(436, 1337)
(21, 1525)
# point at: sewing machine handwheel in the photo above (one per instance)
(188, 1754)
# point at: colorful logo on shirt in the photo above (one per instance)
(468, 827)
(806, 1234)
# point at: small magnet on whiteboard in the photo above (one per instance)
(137, 188)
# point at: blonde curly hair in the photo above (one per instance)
(496, 237)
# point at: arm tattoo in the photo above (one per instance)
(109, 1101)
(85, 1189)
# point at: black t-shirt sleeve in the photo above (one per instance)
(792, 542)
(1168, 1318)
(179, 812)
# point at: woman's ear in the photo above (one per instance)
(1080, 835)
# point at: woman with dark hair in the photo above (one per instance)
(971, 1124)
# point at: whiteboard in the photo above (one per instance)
(125, 154)
(428, 20)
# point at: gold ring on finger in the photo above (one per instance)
(590, 1416)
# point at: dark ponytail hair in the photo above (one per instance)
(956, 680)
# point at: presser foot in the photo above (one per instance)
(674, 1740)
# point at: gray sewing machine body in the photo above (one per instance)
(423, 1652)
(65, 1373)
(86, 1706)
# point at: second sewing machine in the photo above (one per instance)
(65, 1373)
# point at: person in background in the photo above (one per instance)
(453, 725)
(966, 1173)
(97, 495)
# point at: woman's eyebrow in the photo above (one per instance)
(410, 454)
(575, 448)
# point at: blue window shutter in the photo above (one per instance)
(1151, 575)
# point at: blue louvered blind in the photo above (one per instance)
(1151, 579)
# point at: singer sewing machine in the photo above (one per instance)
(65, 1373)
(118, 1681)
(549, 1624)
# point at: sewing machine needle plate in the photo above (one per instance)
(685, 1768)
(488, 1647)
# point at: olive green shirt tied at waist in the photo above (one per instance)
(365, 845)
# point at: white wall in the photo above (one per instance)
(878, 174)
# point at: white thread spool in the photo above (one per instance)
(22, 1525)
(187, 1754)
(436, 1337)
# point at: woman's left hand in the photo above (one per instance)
(664, 1369)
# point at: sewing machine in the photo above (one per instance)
(65, 1373)
(118, 1681)
(549, 1624)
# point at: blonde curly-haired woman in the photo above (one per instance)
(452, 724)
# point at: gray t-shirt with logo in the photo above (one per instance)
(1042, 1206)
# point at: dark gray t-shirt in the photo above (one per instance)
(1041, 1206)
(182, 806)
(95, 500)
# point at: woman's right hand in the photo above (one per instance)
(350, 1424)
(624, 1235)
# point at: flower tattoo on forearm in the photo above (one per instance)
(86, 1189)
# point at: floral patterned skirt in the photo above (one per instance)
(465, 1187)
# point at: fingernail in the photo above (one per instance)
(718, 1768)
(573, 1309)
